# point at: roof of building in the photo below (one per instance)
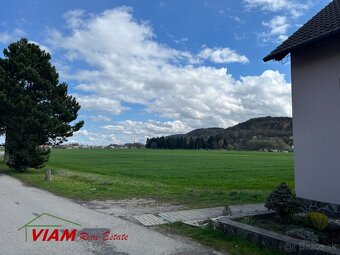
(323, 25)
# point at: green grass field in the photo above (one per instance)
(193, 178)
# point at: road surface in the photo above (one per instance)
(21, 203)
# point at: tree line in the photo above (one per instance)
(182, 143)
(217, 143)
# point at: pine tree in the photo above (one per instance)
(283, 201)
(35, 109)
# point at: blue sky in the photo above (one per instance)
(151, 68)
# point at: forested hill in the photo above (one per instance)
(265, 133)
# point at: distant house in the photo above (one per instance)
(315, 67)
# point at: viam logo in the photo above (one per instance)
(54, 231)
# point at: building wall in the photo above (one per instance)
(316, 122)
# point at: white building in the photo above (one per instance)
(315, 67)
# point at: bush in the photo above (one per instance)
(303, 234)
(283, 202)
(317, 220)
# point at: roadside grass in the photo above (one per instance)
(192, 178)
(218, 240)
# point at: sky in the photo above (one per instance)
(159, 67)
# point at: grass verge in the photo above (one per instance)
(217, 240)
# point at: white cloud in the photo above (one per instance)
(100, 118)
(222, 55)
(265, 94)
(268, 5)
(74, 18)
(295, 8)
(100, 103)
(181, 40)
(287, 13)
(93, 138)
(278, 27)
(126, 64)
(9, 37)
(4, 37)
(81, 132)
(130, 130)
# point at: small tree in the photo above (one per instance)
(283, 202)
(35, 109)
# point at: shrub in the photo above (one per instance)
(317, 220)
(283, 202)
(303, 234)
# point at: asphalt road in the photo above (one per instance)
(21, 203)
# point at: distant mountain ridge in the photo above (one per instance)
(271, 133)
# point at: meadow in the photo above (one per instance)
(188, 177)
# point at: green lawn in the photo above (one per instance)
(193, 178)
